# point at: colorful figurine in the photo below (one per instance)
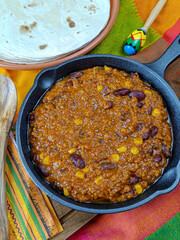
(136, 39)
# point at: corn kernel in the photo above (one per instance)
(46, 160)
(80, 174)
(34, 134)
(134, 150)
(86, 170)
(107, 68)
(138, 141)
(122, 149)
(138, 188)
(115, 157)
(147, 92)
(41, 156)
(66, 193)
(72, 150)
(155, 112)
(78, 121)
(98, 180)
(128, 84)
(100, 88)
(123, 129)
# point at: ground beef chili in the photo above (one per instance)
(100, 134)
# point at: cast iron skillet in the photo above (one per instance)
(152, 73)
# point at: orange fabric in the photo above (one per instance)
(166, 18)
(135, 224)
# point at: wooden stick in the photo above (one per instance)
(8, 103)
(154, 13)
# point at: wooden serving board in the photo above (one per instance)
(70, 220)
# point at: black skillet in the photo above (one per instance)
(152, 73)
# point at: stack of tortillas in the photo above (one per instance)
(34, 31)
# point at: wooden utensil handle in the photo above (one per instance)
(154, 13)
(3, 210)
(8, 103)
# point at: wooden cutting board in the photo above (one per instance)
(70, 220)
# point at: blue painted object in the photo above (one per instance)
(129, 50)
(135, 41)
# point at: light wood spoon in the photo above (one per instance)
(8, 103)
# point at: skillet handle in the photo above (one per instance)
(170, 54)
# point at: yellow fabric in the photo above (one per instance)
(166, 18)
(23, 81)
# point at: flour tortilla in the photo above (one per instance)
(35, 31)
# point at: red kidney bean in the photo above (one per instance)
(81, 133)
(109, 105)
(59, 96)
(96, 161)
(63, 93)
(154, 131)
(131, 191)
(147, 166)
(32, 145)
(42, 169)
(150, 110)
(56, 186)
(32, 116)
(146, 135)
(76, 75)
(56, 98)
(166, 152)
(138, 94)
(139, 104)
(62, 169)
(127, 76)
(35, 156)
(150, 152)
(105, 88)
(108, 166)
(106, 94)
(134, 178)
(77, 160)
(122, 92)
(133, 75)
(140, 126)
(146, 84)
(69, 84)
(158, 158)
